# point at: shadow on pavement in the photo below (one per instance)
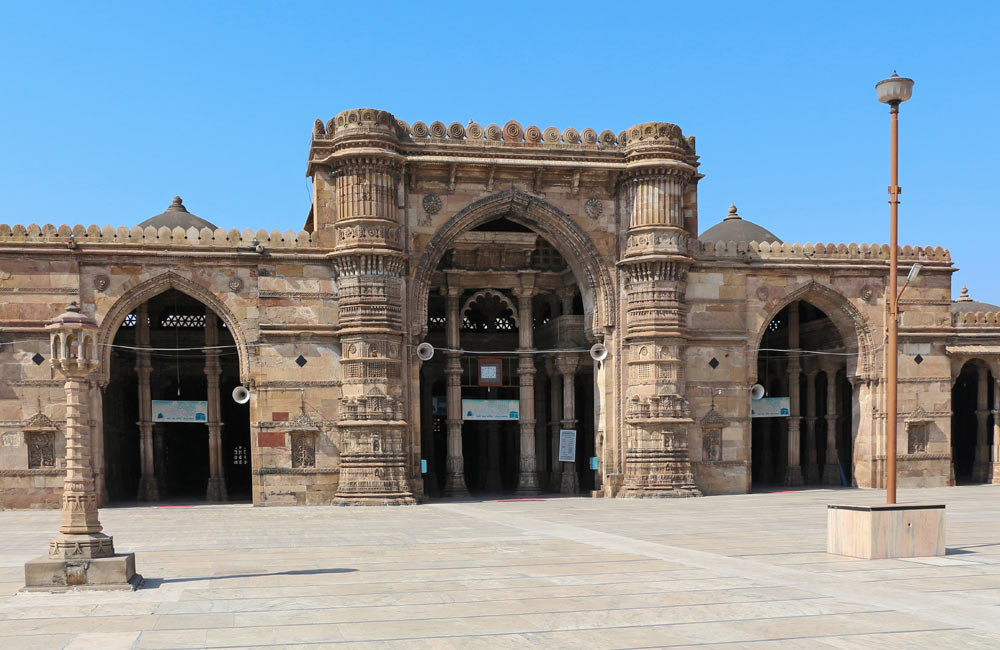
(154, 583)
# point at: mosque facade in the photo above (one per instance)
(476, 310)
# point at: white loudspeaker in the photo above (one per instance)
(756, 392)
(598, 352)
(425, 351)
(241, 395)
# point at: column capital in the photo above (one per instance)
(567, 364)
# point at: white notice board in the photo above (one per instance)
(770, 407)
(567, 445)
(491, 409)
(167, 411)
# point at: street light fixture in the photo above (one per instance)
(893, 91)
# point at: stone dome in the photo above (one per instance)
(177, 216)
(965, 304)
(735, 228)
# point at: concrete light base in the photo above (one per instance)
(886, 531)
(114, 573)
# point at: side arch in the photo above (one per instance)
(576, 247)
(153, 287)
(485, 293)
(851, 324)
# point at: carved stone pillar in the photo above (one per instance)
(427, 432)
(97, 441)
(541, 450)
(567, 365)
(360, 212)
(831, 469)
(981, 465)
(657, 188)
(216, 490)
(812, 466)
(527, 478)
(793, 472)
(995, 474)
(148, 488)
(455, 485)
(555, 415)
(80, 554)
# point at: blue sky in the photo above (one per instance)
(110, 109)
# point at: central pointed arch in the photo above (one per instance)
(142, 292)
(851, 324)
(576, 247)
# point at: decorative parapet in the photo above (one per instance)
(371, 121)
(852, 251)
(977, 319)
(123, 236)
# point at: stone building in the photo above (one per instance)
(511, 251)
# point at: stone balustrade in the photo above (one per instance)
(123, 236)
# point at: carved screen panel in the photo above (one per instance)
(41, 449)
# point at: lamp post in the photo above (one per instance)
(893, 91)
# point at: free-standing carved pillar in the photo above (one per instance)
(455, 485)
(555, 414)
(148, 489)
(658, 191)
(527, 478)
(793, 472)
(812, 466)
(981, 466)
(216, 490)
(831, 469)
(370, 265)
(74, 356)
(567, 366)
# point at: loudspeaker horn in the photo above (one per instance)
(241, 395)
(425, 351)
(756, 392)
(598, 352)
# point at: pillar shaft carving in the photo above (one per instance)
(527, 478)
(981, 470)
(455, 485)
(793, 471)
(655, 267)
(831, 469)
(370, 268)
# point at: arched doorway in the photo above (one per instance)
(801, 430)
(171, 429)
(505, 309)
(972, 405)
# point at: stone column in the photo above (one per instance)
(995, 468)
(567, 365)
(555, 414)
(80, 554)
(360, 216)
(427, 431)
(541, 453)
(812, 466)
(216, 490)
(455, 485)
(981, 465)
(96, 395)
(831, 469)
(527, 478)
(654, 264)
(793, 472)
(148, 488)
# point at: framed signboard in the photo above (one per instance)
(567, 445)
(770, 407)
(168, 411)
(490, 372)
(491, 409)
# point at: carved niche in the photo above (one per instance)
(40, 438)
(303, 449)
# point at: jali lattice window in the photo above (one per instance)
(303, 449)
(41, 449)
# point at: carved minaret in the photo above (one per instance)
(358, 172)
(659, 198)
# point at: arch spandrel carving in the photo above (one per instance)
(147, 289)
(589, 268)
(851, 324)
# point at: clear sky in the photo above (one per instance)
(110, 109)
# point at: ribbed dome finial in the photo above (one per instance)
(965, 295)
(732, 213)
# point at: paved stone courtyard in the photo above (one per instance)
(744, 571)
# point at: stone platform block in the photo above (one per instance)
(886, 531)
(115, 573)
